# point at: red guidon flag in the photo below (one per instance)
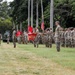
(30, 29)
(42, 25)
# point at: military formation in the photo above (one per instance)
(68, 37)
(62, 37)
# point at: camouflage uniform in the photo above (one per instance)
(51, 34)
(62, 38)
(22, 39)
(49, 39)
(46, 39)
(43, 36)
(68, 38)
(19, 39)
(57, 37)
(73, 38)
(14, 38)
(25, 37)
(65, 35)
(36, 40)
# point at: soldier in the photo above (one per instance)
(49, 38)
(73, 38)
(65, 35)
(14, 38)
(51, 33)
(37, 40)
(62, 38)
(22, 38)
(68, 38)
(43, 38)
(57, 36)
(25, 37)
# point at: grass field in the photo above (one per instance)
(27, 60)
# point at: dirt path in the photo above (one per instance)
(20, 62)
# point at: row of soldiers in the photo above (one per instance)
(64, 37)
(67, 37)
(21, 38)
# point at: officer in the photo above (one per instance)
(57, 35)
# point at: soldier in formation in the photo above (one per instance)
(25, 37)
(62, 37)
(73, 45)
(48, 38)
(14, 37)
(67, 37)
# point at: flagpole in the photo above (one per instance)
(42, 9)
(51, 14)
(32, 13)
(42, 16)
(28, 12)
(20, 26)
(37, 13)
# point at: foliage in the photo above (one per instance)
(5, 20)
(5, 25)
(63, 11)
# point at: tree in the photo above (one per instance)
(5, 20)
(63, 11)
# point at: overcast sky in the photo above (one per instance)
(8, 0)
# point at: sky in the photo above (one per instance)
(8, 0)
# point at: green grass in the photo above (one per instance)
(27, 60)
(66, 57)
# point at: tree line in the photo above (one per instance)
(64, 11)
(5, 19)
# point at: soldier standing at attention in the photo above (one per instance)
(74, 37)
(14, 38)
(62, 38)
(57, 35)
